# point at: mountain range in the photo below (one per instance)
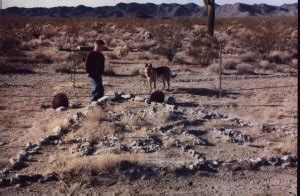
(150, 10)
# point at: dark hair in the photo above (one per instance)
(99, 42)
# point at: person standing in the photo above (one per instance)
(95, 65)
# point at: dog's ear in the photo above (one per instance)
(150, 65)
(146, 64)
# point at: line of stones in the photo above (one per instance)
(30, 149)
(213, 165)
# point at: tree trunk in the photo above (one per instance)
(211, 17)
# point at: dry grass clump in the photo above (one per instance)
(121, 52)
(169, 143)
(294, 63)
(287, 147)
(245, 68)
(146, 46)
(14, 68)
(109, 71)
(265, 64)
(216, 123)
(136, 121)
(41, 58)
(65, 68)
(103, 163)
(283, 68)
(135, 72)
(97, 114)
(230, 63)
(215, 68)
(249, 57)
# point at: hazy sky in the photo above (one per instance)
(95, 3)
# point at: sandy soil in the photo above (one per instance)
(260, 99)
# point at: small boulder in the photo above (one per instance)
(157, 96)
(60, 100)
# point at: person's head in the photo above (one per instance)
(99, 45)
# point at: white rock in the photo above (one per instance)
(58, 130)
(110, 93)
(51, 159)
(60, 109)
(22, 155)
(138, 98)
(12, 161)
(85, 113)
(103, 99)
(170, 107)
(93, 103)
(127, 96)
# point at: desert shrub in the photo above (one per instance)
(109, 71)
(112, 55)
(41, 58)
(294, 63)
(279, 57)
(65, 68)
(249, 57)
(121, 52)
(181, 60)
(204, 49)
(10, 44)
(13, 68)
(245, 68)
(214, 68)
(265, 64)
(144, 56)
(135, 72)
(264, 37)
(283, 68)
(169, 41)
(146, 46)
(169, 53)
(230, 63)
(49, 31)
(60, 100)
(32, 44)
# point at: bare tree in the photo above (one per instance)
(210, 4)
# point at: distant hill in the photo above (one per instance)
(150, 10)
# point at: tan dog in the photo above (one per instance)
(153, 73)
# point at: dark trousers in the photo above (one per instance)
(97, 88)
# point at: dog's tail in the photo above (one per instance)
(174, 75)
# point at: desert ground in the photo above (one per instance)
(195, 142)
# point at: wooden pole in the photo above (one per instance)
(220, 72)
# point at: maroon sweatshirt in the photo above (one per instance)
(94, 64)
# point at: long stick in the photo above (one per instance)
(220, 72)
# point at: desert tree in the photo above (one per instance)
(210, 4)
(169, 41)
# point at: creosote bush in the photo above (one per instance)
(204, 49)
(245, 68)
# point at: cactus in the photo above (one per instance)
(211, 16)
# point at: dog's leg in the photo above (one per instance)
(164, 84)
(154, 84)
(168, 81)
(150, 86)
